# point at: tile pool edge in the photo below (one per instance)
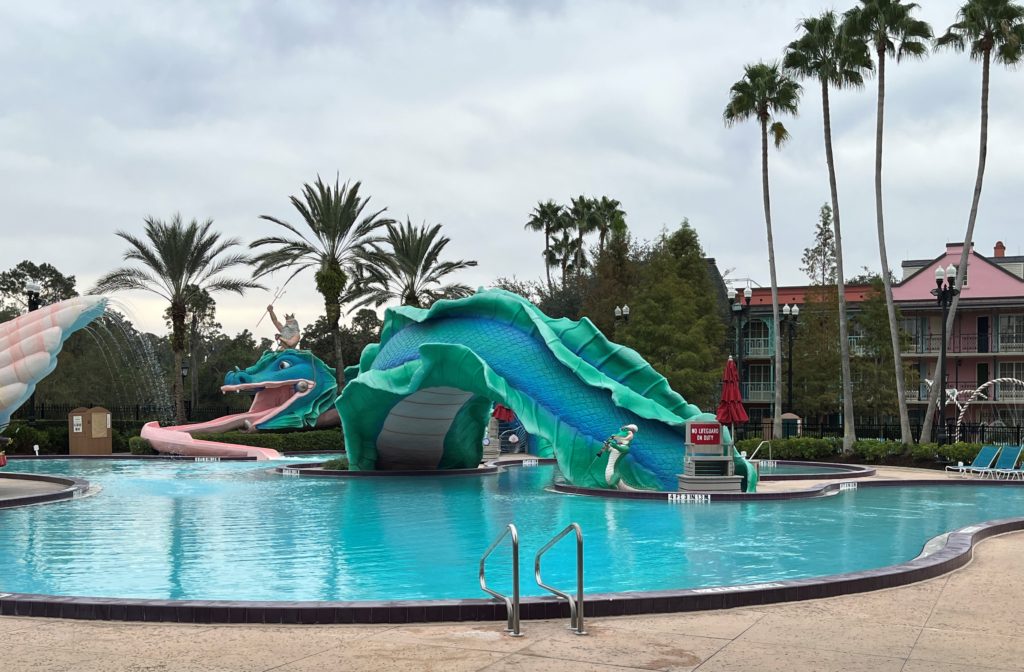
(954, 552)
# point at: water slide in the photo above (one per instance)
(29, 346)
(291, 389)
(423, 394)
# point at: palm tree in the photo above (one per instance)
(892, 31)
(994, 31)
(582, 214)
(610, 220)
(824, 52)
(546, 217)
(410, 271)
(764, 93)
(341, 228)
(179, 262)
(564, 245)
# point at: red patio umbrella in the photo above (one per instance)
(730, 408)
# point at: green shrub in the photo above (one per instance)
(796, 448)
(314, 441)
(873, 450)
(337, 464)
(140, 446)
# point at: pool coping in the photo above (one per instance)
(943, 553)
(74, 487)
(311, 470)
(842, 471)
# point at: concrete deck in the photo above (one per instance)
(16, 488)
(966, 620)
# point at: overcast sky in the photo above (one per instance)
(468, 113)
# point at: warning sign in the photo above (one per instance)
(705, 433)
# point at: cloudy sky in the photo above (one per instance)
(467, 113)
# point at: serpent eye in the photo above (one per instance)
(284, 365)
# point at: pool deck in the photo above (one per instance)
(16, 488)
(965, 620)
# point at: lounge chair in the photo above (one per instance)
(1011, 472)
(986, 456)
(1006, 461)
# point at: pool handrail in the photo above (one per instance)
(751, 458)
(511, 604)
(575, 604)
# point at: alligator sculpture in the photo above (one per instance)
(29, 346)
(423, 394)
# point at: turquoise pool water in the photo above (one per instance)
(232, 530)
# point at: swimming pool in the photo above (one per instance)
(236, 531)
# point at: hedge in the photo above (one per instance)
(314, 441)
(140, 446)
(864, 450)
(52, 439)
(337, 464)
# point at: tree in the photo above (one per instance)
(764, 93)
(178, 261)
(342, 229)
(547, 217)
(583, 219)
(994, 30)
(819, 261)
(609, 220)
(615, 276)
(827, 53)
(874, 374)
(892, 31)
(817, 371)
(55, 285)
(674, 320)
(409, 270)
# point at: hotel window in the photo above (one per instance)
(966, 271)
(1011, 333)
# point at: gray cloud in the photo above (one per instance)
(466, 113)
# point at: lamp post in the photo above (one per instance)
(740, 303)
(622, 313)
(789, 318)
(945, 290)
(32, 291)
(184, 375)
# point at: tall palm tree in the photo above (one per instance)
(546, 217)
(764, 93)
(824, 52)
(582, 214)
(179, 262)
(892, 31)
(994, 31)
(409, 270)
(610, 220)
(564, 245)
(340, 228)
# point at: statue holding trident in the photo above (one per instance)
(288, 333)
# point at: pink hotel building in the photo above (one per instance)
(986, 342)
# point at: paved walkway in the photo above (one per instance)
(967, 620)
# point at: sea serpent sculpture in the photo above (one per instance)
(422, 396)
(29, 346)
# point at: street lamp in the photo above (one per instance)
(184, 375)
(622, 313)
(789, 318)
(945, 290)
(32, 291)
(740, 303)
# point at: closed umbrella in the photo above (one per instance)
(730, 408)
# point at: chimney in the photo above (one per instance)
(1000, 250)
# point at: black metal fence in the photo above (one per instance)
(971, 433)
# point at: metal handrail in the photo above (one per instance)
(575, 604)
(751, 458)
(511, 605)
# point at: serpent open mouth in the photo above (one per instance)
(270, 397)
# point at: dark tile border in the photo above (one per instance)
(74, 487)
(309, 469)
(955, 551)
(129, 456)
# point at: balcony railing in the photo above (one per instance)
(1008, 392)
(969, 343)
(758, 391)
(758, 347)
(857, 348)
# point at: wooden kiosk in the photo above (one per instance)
(708, 465)
(89, 431)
